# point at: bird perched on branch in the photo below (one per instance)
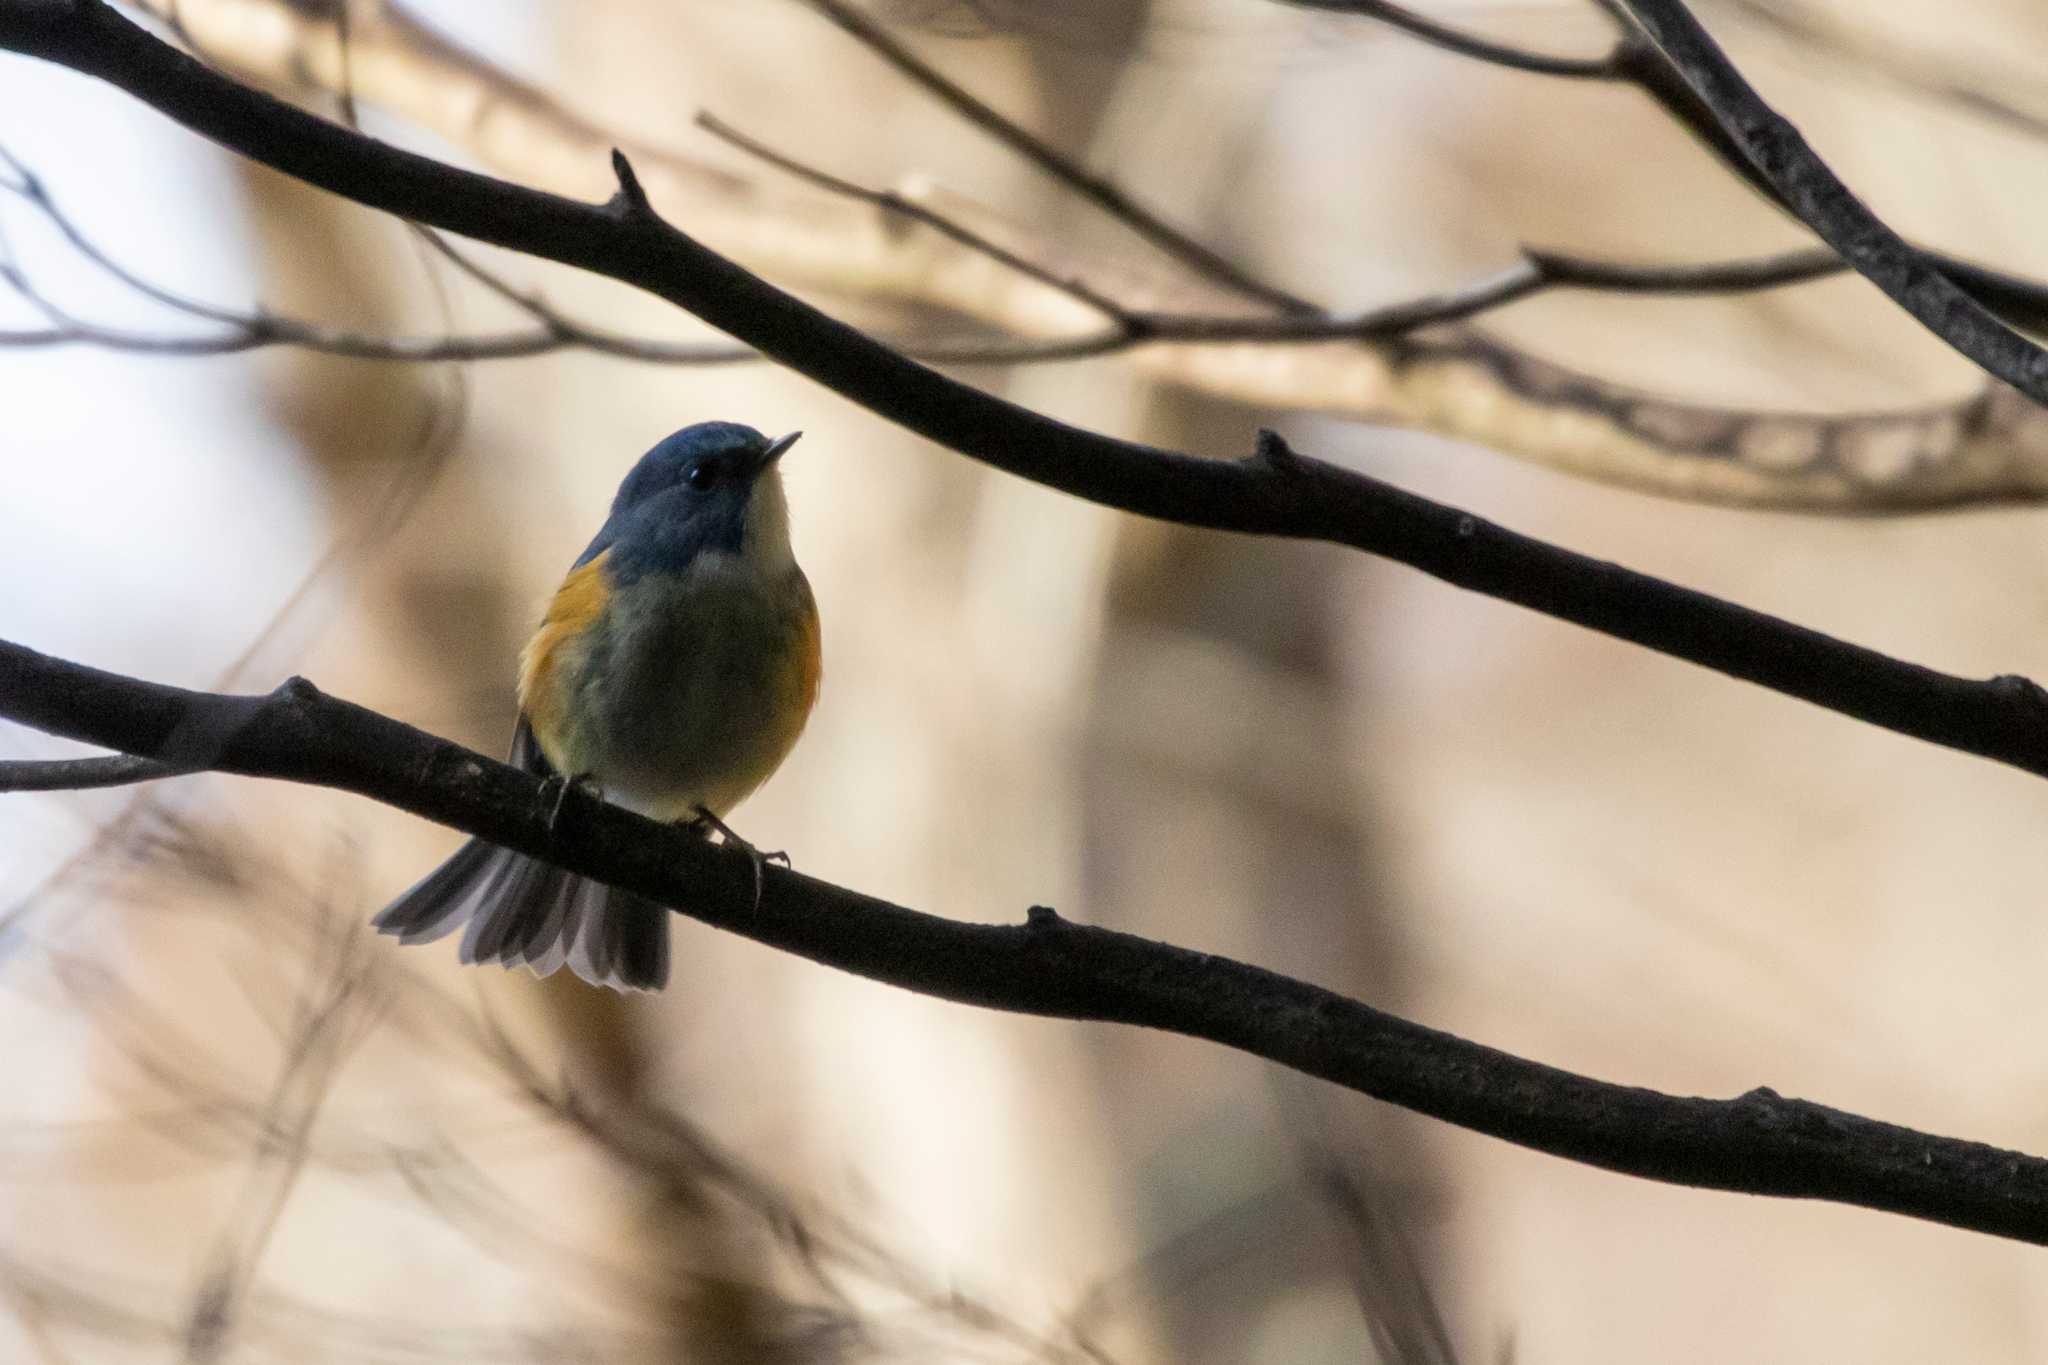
(674, 671)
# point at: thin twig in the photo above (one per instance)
(330, 1019)
(262, 327)
(83, 774)
(1125, 327)
(1537, 270)
(891, 202)
(1636, 60)
(1969, 89)
(1978, 448)
(1096, 189)
(1467, 44)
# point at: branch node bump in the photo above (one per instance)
(631, 200)
(298, 689)
(2022, 691)
(1042, 917)
(1273, 454)
(1764, 1108)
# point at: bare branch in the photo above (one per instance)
(329, 1022)
(890, 202)
(1467, 44)
(1963, 87)
(1812, 444)
(1537, 271)
(1097, 190)
(1826, 205)
(83, 774)
(264, 327)
(1759, 1143)
(2004, 719)
(1984, 447)
(1635, 60)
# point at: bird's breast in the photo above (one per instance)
(684, 689)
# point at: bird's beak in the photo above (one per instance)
(777, 447)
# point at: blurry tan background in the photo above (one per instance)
(240, 1129)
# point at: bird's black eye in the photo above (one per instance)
(701, 475)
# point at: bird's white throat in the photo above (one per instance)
(764, 545)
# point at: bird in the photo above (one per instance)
(673, 671)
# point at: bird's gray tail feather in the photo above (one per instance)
(523, 912)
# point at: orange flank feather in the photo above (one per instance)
(577, 604)
(810, 656)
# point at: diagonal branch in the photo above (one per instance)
(1636, 61)
(1758, 1143)
(233, 331)
(1535, 272)
(1965, 87)
(83, 774)
(1466, 44)
(1277, 492)
(1102, 193)
(1820, 200)
(1984, 447)
(911, 209)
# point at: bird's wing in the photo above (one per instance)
(577, 606)
(526, 752)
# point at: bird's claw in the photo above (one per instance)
(582, 782)
(706, 821)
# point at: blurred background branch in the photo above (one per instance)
(1457, 382)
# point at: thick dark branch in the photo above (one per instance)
(1098, 191)
(2005, 719)
(1758, 1143)
(1636, 61)
(1826, 205)
(1639, 62)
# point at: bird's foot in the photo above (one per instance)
(704, 822)
(583, 782)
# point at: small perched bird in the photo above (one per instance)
(674, 671)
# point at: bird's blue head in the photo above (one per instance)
(712, 487)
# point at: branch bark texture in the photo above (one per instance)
(1758, 1143)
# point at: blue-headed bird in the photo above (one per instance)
(673, 671)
